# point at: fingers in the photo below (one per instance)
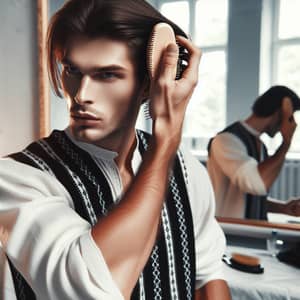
(169, 63)
(288, 125)
(170, 96)
(294, 207)
(194, 53)
(287, 108)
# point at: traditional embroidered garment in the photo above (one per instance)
(255, 207)
(170, 270)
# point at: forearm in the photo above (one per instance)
(275, 206)
(214, 290)
(270, 168)
(126, 236)
(290, 207)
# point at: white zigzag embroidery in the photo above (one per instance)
(182, 228)
(38, 161)
(83, 167)
(183, 235)
(75, 178)
(170, 253)
(156, 274)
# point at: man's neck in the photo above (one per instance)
(124, 159)
(125, 151)
(257, 123)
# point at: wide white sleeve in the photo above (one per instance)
(46, 240)
(209, 238)
(232, 156)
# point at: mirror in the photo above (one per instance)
(52, 114)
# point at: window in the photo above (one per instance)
(206, 22)
(286, 55)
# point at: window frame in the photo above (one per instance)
(192, 142)
(276, 45)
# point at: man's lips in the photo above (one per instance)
(84, 116)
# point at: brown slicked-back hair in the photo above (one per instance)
(130, 21)
(271, 100)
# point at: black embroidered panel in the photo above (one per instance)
(82, 164)
(178, 232)
(255, 205)
(170, 270)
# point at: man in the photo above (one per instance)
(100, 211)
(238, 164)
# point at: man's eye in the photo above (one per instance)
(106, 75)
(71, 71)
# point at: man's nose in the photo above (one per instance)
(85, 92)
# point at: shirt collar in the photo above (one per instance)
(250, 129)
(102, 153)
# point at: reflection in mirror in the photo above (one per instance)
(226, 92)
(240, 167)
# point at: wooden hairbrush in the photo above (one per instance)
(245, 263)
(161, 36)
(246, 260)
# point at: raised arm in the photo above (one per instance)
(290, 207)
(126, 236)
(270, 168)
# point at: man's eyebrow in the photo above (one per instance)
(113, 67)
(108, 68)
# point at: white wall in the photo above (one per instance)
(18, 75)
(243, 57)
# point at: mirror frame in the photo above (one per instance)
(43, 82)
(44, 116)
(259, 223)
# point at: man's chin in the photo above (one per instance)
(86, 135)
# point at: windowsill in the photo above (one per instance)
(202, 155)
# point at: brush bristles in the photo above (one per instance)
(149, 55)
(146, 110)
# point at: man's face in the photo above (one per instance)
(101, 88)
(275, 124)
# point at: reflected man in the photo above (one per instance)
(100, 210)
(238, 163)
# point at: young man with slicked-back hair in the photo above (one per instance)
(100, 210)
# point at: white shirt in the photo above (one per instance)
(233, 173)
(52, 245)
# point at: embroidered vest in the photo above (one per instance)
(255, 207)
(170, 270)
